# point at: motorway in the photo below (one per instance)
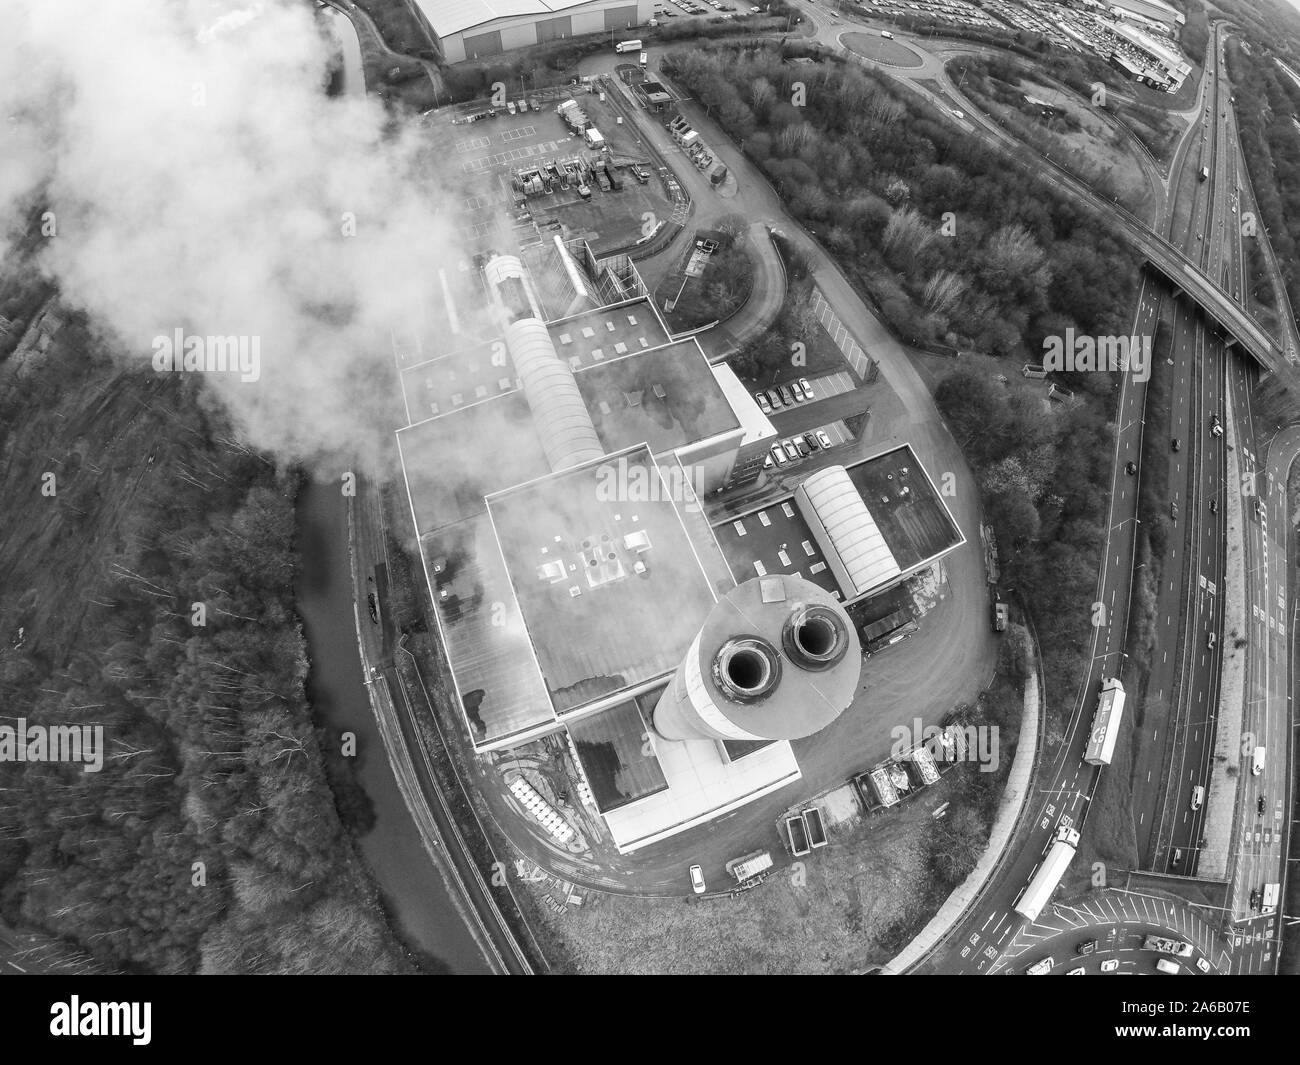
(1260, 835)
(1250, 852)
(1190, 609)
(1182, 693)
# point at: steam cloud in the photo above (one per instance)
(200, 178)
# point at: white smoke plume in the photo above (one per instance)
(198, 177)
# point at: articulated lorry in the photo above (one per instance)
(1047, 877)
(1105, 723)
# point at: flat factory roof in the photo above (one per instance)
(703, 785)
(619, 765)
(445, 383)
(451, 463)
(595, 336)
(908, 510)
(666, 397)
(610, 586)
(756, 424)
(487, 642)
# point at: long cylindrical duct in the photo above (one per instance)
(560, 416)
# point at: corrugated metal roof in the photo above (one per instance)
(852, 530)
(560, 416)
(452, 16)
(561, 419)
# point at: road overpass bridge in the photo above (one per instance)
(1238, 328)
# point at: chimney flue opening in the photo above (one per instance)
(747, 668)
(815, 637)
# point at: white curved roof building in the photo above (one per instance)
(847, 533)
(561, 419)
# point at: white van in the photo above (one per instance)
(1257, 764)
(1198, 796)
(1164, 965)
(887, 35)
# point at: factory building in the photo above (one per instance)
(1151, 11)
(475, 29)
(557, 463)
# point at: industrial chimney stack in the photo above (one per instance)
(777, 658)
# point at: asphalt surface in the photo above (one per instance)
(1190, 608)
(948, 662)
(1183, 687)
(1114, 924)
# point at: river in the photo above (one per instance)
(414, 892)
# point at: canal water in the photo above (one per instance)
(415, 895)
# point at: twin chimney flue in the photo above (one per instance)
(777, 658)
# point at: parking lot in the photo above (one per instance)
(674, 8)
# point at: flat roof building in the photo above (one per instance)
(472, 29)
(576, 581)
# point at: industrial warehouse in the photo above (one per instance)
(578, 583)
(471, 29)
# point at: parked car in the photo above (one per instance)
(798, 391)
(792, 452)
(807, 388)
(801, 446)
(824, 439)
(763, 403)
(787, 397)
(697, 880)
(774, 398)
(811, 441)
(779, 456)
